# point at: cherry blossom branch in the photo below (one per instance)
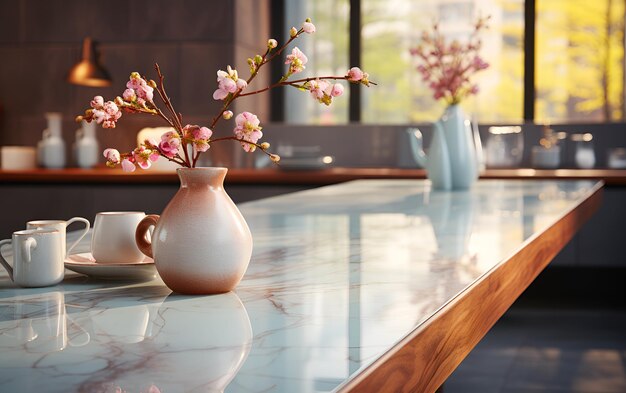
(264, 60)
(168, 103)
(261, 146)
(294, 83)
(195, 139)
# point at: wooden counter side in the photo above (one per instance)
(424, 359)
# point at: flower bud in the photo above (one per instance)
(152, 83)
(258, 59)
(265, 145)
(308, 27)
(119, 101)
(293, 32)
(135, 75)
(227, 115)
(78, 119)
(274, 157)
(272, 43)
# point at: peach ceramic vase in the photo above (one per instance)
(201, 243)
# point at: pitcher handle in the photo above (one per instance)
(416, 145)
(4, 261)
(142, 231)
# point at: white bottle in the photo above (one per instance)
(52, 146)
(86, 145)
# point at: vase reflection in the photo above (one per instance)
(181, 344)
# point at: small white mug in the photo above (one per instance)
(61, 226)
(113, 239)
(37, 258)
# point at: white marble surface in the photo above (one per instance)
(338, 276)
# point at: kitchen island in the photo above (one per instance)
(369, 285)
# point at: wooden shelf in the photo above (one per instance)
(279, 176)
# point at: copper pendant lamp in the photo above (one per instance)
(89, 72)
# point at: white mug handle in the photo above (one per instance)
(27, 246)
(4, 261)
(82, 235)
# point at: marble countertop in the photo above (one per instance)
(339, 276)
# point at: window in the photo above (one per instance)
(327, 51)
(578, 59)
(388, 33)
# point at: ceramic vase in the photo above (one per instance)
(201, 243)
(87, 151)
(51, 148)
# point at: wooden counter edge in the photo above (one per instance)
(424, 359)
(275, 176)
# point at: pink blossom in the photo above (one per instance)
(112, 156)
(129, 95)
(144, 157)
(324, 91)
(296, 61)
(111, 108)
(105, 113)
(355, 74)
(337, 90)
(97, 102)
(220, 94)
(108, 124)
(228, 82)
(141, 88)
(199, 136)
(479, 64)
(317, 88)
(308, 27)
(447, 67)
(248, 129)
(170, 143)
(128, 166)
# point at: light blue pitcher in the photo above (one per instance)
(451, 163)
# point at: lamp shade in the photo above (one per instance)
(88, 72)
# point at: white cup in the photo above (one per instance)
(37, 258)
(61, 226)
(113, 239)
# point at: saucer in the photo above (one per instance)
(84, 263)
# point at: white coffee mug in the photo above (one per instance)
(113, 238)
(61, 226)
(37, 258)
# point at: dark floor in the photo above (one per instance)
(550, 342)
